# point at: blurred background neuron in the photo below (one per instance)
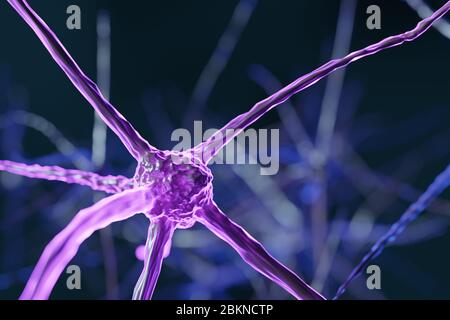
(355, 149)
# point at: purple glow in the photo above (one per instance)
(140, 252)
(64, 246)
(213, 145)
(108, 184)
(171, 195)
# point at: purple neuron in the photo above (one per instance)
(174, 190)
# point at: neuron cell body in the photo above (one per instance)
(180, 184)
(173, 189)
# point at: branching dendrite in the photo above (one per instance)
(423, 10)
(173, 194)
(108, 184)
(233, 128)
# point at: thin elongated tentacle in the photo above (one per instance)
(254, 253)
(441, 182)
(156, 249)
(108, 184)
(291, 121)
(65, 245)
(208, 149)
(423, 10)
(133, 141)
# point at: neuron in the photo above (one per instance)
(172, 189)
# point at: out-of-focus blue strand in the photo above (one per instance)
(437, 187)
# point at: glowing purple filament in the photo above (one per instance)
(171, 195)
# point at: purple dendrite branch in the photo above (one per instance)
(208, 149)
(156, 249)
(171, 196)
(325, 129)
(335, 82)
(423, 11)
(133, 141)
(65, 245)
(108, 184)
(57, 247)
(254, 253)
(98, 155)
(288, 116)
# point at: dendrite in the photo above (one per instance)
(172, 189)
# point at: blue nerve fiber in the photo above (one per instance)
(441, 182)
(162, 189)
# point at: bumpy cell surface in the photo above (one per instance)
(179, 183)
